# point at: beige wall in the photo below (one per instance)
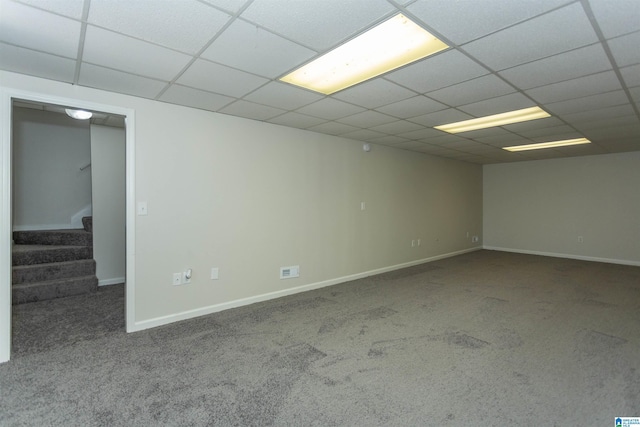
(249, 197)
(544, 206)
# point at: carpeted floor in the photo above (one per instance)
(483, 339)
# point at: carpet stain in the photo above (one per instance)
(464, 340)
(596, 303)
(593, 343)
(508, 339)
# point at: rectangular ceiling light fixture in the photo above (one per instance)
(501, 119)
(551, 144)
(391, 44)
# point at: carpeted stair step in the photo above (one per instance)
(53, 271)
(45, 254)
(73, 237)
(51, 289)
(87, 223)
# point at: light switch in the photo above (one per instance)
(214, 273)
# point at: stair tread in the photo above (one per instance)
(51, 264)
(27, 248)
(56, 281)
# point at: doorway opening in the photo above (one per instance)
(94, 180)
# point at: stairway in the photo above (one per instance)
(52, 264)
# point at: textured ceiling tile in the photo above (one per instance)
(374, 93)
(186, 28)
(631, 75)
(605, 123)
(412, 107)
(593, 102)
(479, 89)
(616, 17)
(400, 126)
(604, 113)
(297, 120)
(568, 65)
(330, 109)
(482, 133)
(28, 27)
(420, 134)
(333, 128)
(362, 135)
(577, 88)
(250, 48)
(116, 51)
(37, 64)
(283, 96)
(367, 119)
(534, 124)
(117, 81)
(388, 140)
(543, 36)
(231, 6)
(251, 111)
(70, 8)
(625, 49)
(465, 20)
(317, 24)
(183, 95)
(220, 79)
(543, 132)
(501, 104)
(436, 72)
(442, 117)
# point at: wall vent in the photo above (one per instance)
(289, 272)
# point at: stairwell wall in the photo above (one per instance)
(48, 186)
(250, 197)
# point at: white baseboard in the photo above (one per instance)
(108, 282)
(164, 320)
(569, 256)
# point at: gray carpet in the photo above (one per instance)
(482, 339)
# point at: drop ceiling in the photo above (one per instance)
(578, 60)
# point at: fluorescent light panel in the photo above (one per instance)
(501, 119)
(551, 144)
(393, 43)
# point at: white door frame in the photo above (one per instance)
(6, 98)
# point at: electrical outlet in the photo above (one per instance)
(214, 273)
(580, 239)
(413, 243)
(419, 242)
(177, 279)
(475, 239)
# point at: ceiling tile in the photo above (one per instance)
(442, 139)
(400, 126)
(479, 89)
(432, 73)
(412, 107)
(625, 49)
(28, 27)
(281, 95)
(635, 94)
(616, 18)
(546, 122)
(605, 123)
(251, 111)
(117, 81)
(576, 88)
(37, 64)
(297, 120)
(442, 117)
(330, 109)
(540, 37)
(231, 6)
(362, 135)
(483, 133)
(119, 52)
(70, 8)
(604, 113)
(420, 134)
(586, 103)
(317, 24)
(503, 140)
(545, 132)
(220, 79)
(250, 48)
(186, 28)
(388, 140)
(465, 20)
(631, 75)
(620, 132)
(182, 95)
(333, 128)
(374, 93)
(500, 104)
(568, 65)
(367, 119)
